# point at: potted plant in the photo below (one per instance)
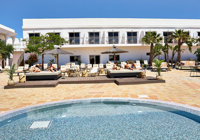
(158, 65)
(10, 72)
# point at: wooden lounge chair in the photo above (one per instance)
(7, 67)
(137, 65)
(93, 72)
(63, 68)
(77, 67)
(20, 70)
(186, 65)
(146, 62)
(72, 65)
(55, 65)
(26, 67)
(138, 61)
(89, 66)
(95, 66)
(83, 66)
(101, 66)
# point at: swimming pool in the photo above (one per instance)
(102, 120)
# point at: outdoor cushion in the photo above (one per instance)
(43, 73)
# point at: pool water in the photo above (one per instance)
(107, 120)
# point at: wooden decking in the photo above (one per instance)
(85, 80)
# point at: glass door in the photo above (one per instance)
(94, 59)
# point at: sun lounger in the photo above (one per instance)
(83, 66)
(146, 62)
(163, 66)
(93, 72)
(20, 70)
(101, 66)
(137, 65)
(7, 67)
(72, 64)
(55, 65)
(43, 75)
(186, 65)
(63, 68)
(26, 67)
(45, 66)
(138, 61)
(89, 66)
(123, 73)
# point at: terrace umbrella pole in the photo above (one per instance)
(114, 57)
(57, 61)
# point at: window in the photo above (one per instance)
(113, 38)
(132, 37)
(34, 35)
(198, 33)
(94, 38)
(147, 53)
(167, 37)
(111, 57)
(74, 38)
(75, 59)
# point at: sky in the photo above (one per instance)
(12, 12)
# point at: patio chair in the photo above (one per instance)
(89, 66)
(7, 67)
(55, 65)
(137, 65)
(63, 68)
(93, 72)
(138, 61)
(77, 67)
(72, 65)
(95, 66)
(164, 66)
(146, 62)
(20, 70)
(101, 66)
(83, 66)
(45, 66)
(26, 67)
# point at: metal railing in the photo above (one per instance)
(113, 40)
(132, 40)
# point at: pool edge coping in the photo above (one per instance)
(178, 106)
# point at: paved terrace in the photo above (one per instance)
(179, 88)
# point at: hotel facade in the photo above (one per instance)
(88, 37)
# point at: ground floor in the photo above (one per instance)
(179, 88)
(92, 55)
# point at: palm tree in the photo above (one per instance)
(182, 37)
(5, 50)
(152, 38)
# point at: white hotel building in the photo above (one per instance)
(88, 37)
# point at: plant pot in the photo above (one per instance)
(169, 68)
(11, 82)
(159, 77)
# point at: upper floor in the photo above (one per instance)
(104, 32)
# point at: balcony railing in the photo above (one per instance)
(74, 40)
(132, 40)
(113, 40)
(93, 40)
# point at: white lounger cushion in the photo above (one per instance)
(124, 71)
(43, 73)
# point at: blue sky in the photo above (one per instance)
(13, 11)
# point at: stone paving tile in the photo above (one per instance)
(179, 88)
